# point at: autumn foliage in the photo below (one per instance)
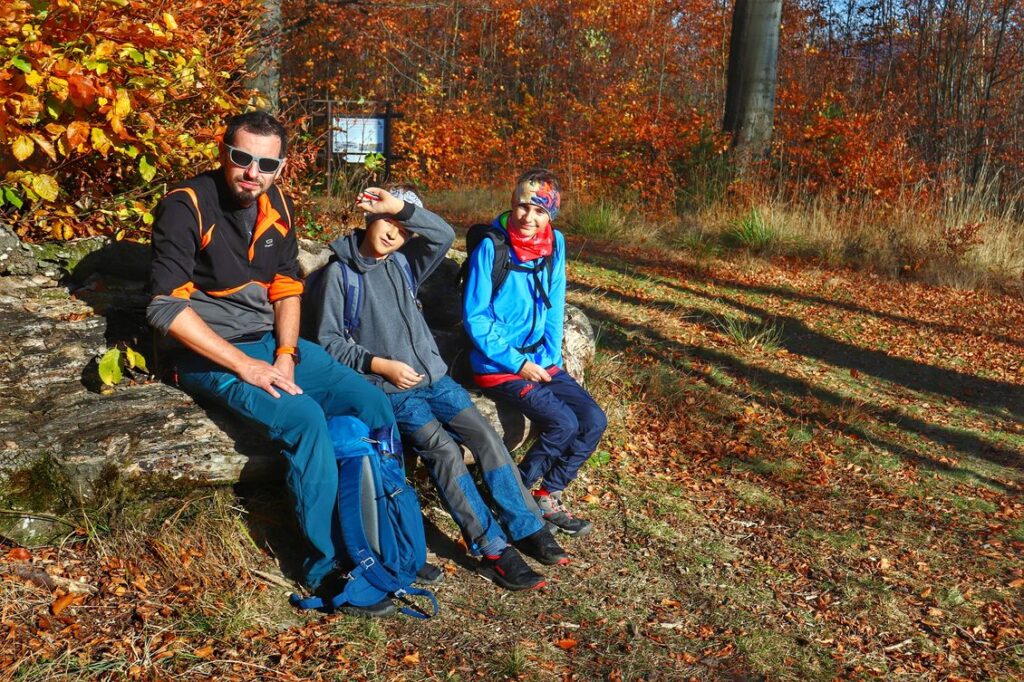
(626, 99)
(101, 100)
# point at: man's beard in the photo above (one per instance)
(245, 198)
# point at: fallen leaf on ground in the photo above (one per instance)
(61, 603)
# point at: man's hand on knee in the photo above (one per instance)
(267, 376)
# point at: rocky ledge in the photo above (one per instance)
(64, 442)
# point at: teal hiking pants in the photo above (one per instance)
(299, 424)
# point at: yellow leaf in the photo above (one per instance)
(106, 49)
(169, 22)
(99, 140)
(412, 659)
(122, 105)
(33, 79)
(22, 147)
(59, 87)
(46, 187)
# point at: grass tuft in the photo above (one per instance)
(600, 220)
(754, 232)
(751, 332)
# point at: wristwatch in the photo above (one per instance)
(289, 350)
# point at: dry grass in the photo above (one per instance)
(967, 241)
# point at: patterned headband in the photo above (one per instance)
(538, 193)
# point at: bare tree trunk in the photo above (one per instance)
(265, 64)
(750, 89)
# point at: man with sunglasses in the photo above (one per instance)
(226, 290)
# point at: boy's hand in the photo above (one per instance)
(531, 371)
(386, 203)
(400, 374)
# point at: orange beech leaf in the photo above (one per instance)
(61, 603)
(77, 133)
(566, 644)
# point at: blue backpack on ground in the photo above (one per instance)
(380, 521)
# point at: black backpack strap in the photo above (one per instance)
(500, 268)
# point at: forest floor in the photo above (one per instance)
(809, 474)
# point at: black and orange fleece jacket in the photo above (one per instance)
(229, 264)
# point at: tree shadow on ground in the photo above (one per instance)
(966, 443)
(606, 256)
(800, 339)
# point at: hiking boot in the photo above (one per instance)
(510, 571)
(543, 547)
(555, 513)
(429, 575)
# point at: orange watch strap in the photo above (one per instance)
(285, 350)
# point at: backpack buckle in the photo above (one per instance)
(367, 562)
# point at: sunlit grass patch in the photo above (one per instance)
(756, 496)
(972, 504)
(787, 657)
(849, 540)
(783, 469)
(800, 435)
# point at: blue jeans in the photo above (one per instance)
(428, 417)
(299, 424)
(571, 425)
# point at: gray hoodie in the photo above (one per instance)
(391, 324)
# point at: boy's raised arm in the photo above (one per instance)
(427, 251)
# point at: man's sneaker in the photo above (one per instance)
(510, 571)
(429, 575)
(543, 547)
(558, 516)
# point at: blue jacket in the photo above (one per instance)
(517, 317)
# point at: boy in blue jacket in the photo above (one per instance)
(517, 334)
(381, 268)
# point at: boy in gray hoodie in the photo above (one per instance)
(362, 308)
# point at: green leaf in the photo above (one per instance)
(110, 367)
(21, 63)
(12, 197)
(135, 55)
(146, 168)
(135, 359)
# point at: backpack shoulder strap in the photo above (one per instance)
(353, 284)
(499, 273)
